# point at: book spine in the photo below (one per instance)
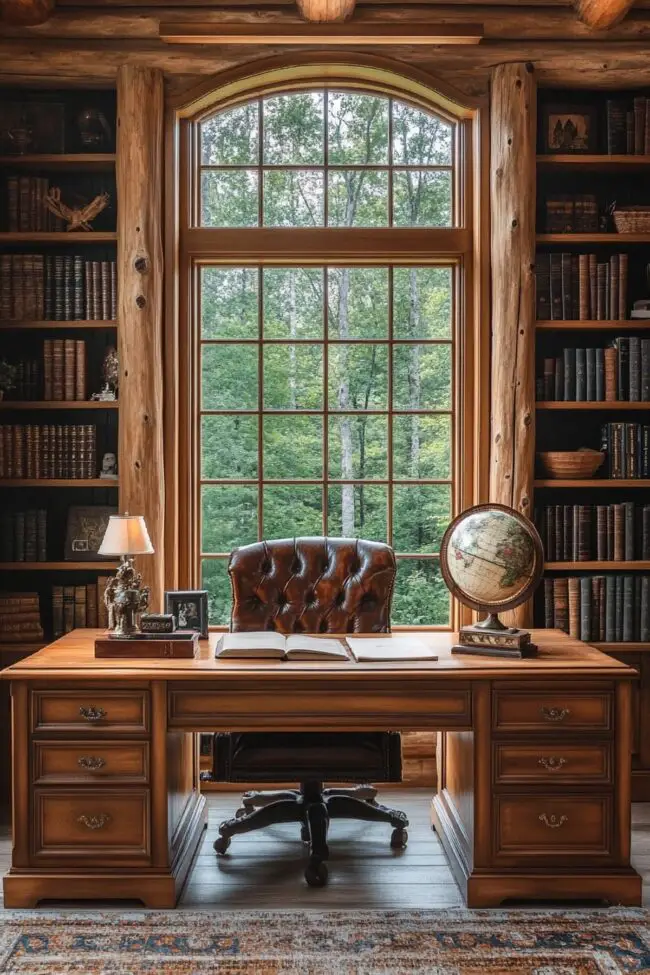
(80, 370)
(629, 530)
(79, 606)
(91, 605)
(584, 533)
(561, 604)
(556, 287)
(569, 375)
(644, 622)
(622, 286)
(601, 292)
(57, 611)
(565, 270)
(590, 355)
(69, 356)
(581, 375)
(623, 346)
(639, 126)
(583, 287)
(567, 546)
(601, 532)
(585, 608)
(628, 609)
(599, 355)
(614, 280)
(645, 370)
(574, 607)
(635, 369)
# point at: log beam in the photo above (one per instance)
(602, 14)
(326, 11)
(140, 104)
(512, 201)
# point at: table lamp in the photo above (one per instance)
(125, 597)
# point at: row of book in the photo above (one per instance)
(27, 384)
(618, 373)
(611, 608)
(48, 451)
(61, 376)
(26, 210)
(571, 214)
(601, 532)
(628, 126)
(23, 535)
(75, 606)
(627, 446)
(20, 617)
(58, 287)
(580, 287)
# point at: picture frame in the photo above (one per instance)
(85, 528)
(569, 129)
(189, 608)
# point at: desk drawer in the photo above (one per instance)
(90, 712)
(548, 825)
(90, 823)
(551, 711)
(552, 761)
(62, 762)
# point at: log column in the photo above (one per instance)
(512, 199)
(140, 281)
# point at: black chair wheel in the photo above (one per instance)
(221, 844)
(316, 873)
(304, 834)
(242, 811)
(399, 839)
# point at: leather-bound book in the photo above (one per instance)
(601, 533)
(600, 375)
(601, 608)
(91, 605)
(644, 621)
(630, 453)
(601, 292)
(549, 379)
(80, 606)
(639, 126)
(80, 370)
(558, 523)
(105, 272)
(78, 309)
(41, 535)
(19, 536)
(630, 532)
(556, 287)
(567, 546)
(31, 535)
(37, 449)
(75, 453)
(59, 288)
(581, 375)
(590, 355)
(18, 271)
(614, 283)
(575, 544)
(88, 290)
(58, 385)
(113, 291)
(645, 451)
(12, 204)
(68, 288)
(19, 450)
(585, 609)
(610, 608)
(611, 374)
(68, 609)
(595, 607)
(634, 392)
(584, 309)
(9, 451)
(29, 451)
(561, 604)
(23, 204)
(97, 290)
(628, 608)
(619, 609)
(69, 358)
(584, 533)
(2, 451)
(49, 288)
(629, 133)
(39, 286)
(645, 370)
(59, 451)
(57, 611)
(575, 288)
(569, 356)
(5, 288)
(619, 532)
(646, 146)
(573, 584)
(645, 532)
(551, 554)
(565, 268)
(623, 378)
(558, 388)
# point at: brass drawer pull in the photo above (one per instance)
(551, 764)
(555, 714)
(92, 713)
(93, 762)
(553, 822)
(94, 822)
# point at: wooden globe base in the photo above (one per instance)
(491, 638)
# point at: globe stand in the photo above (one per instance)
(492, 638)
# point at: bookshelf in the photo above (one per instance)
(588, 278)
(58, 317)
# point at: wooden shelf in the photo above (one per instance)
(58, 405)
(593, 405)
(58, 482)
(638, 482)
(575, 326)
(619, 646)
(62, 160)
(612, 566)
(17, 325)
(52, 566)
(22, 647)
(610, 239)
(600, 161)
(75, 237)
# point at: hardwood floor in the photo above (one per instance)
(265, 869)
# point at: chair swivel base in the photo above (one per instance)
(313, 807)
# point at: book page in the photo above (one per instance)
(259, 643)
(299, 644)
(390, 648)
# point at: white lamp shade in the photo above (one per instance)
(126, 535)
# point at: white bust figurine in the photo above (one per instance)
(109, 466)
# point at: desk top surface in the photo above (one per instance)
(559, 655)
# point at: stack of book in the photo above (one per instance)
(75, 606)
(577, 287)
(20, 617)
(26, 210)
(27, 382)
(619, 373)
(611, 608)
(627, 446)
(49, 451)
(628, 126)
(571, 214)
(23, 536)
(64, 369)
(60, 287)
(602, 532)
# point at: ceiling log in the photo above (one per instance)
(326, 11)
(602, 14)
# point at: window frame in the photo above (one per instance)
(193, 246)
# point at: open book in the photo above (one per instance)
(390, 648)
(266, 643)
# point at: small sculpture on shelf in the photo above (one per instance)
(94, 131)
(111, 377)
(109, 466)
(77, 218)
(125, 597)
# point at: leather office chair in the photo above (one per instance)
(311, 585)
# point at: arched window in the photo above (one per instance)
(326, 247)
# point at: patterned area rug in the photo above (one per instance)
(455, 942)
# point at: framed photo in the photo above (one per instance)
(190, 609)
(569, 129)
(85, 531)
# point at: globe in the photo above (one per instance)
(491, 557)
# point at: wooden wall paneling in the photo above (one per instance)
(140, 336)
(512, 197)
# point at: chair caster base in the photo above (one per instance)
(399, 839)
(316, 873)
(221, 844)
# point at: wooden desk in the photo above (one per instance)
(534, 777)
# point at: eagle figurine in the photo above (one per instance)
(76, 218)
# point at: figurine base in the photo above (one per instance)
(493, 651)
(488, 637)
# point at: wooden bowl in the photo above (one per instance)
(571, 464)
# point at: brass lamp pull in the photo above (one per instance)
(551, 764)
(94, 822)
(555, 714)
(553, 822)
(91, 762)
(91, 713)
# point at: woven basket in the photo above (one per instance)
(632, 220)
(576, 464)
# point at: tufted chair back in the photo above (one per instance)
(312, 585)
